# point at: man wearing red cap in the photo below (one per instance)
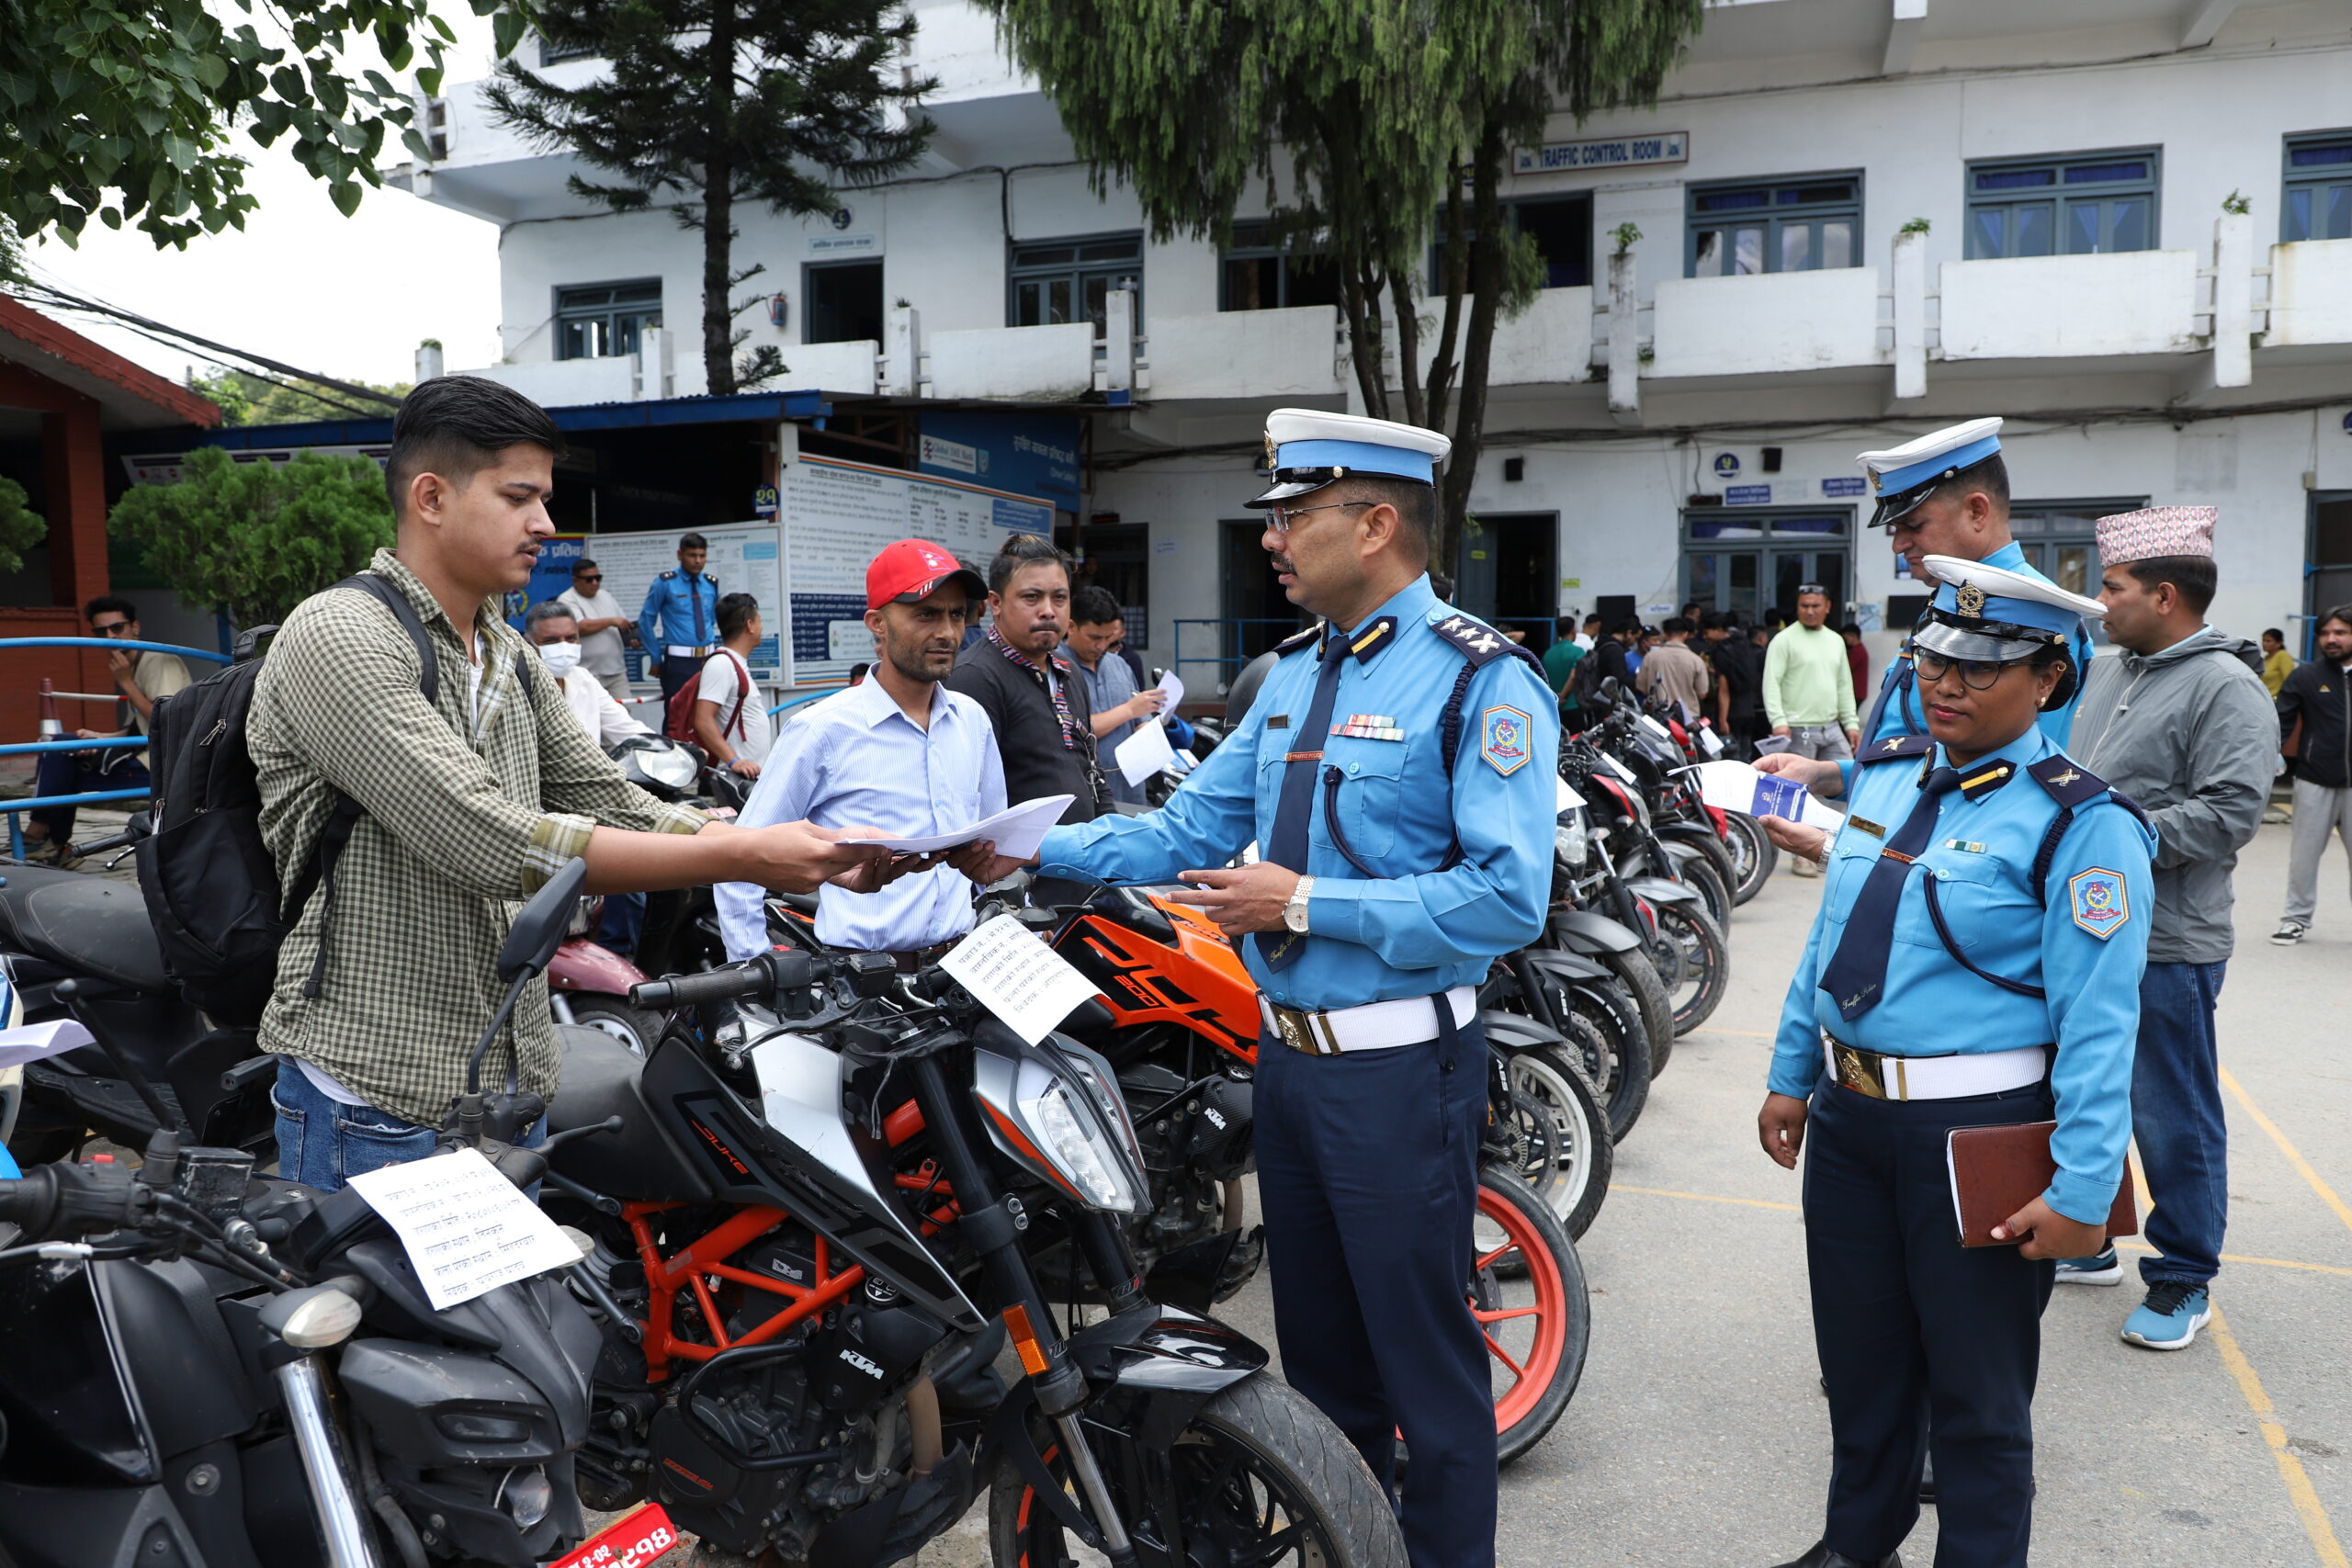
(899, 752)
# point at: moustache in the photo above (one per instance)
(1281, 562)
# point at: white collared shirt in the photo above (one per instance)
(855, 761)
(604, 719)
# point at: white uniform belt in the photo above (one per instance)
(688, 652)
(1934, 1078)
(1375, 1026)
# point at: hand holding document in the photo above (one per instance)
(1145, 753)
(1016, 832)
(1736, 786)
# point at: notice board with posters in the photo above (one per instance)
(746, 557)
(837, 515)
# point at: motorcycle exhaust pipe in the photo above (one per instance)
(315, 1438)
(924, 1431)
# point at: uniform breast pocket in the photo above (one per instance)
(1362, 791)
(1976, 897)
(1842, 883)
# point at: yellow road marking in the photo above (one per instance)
(2260, 1263)
(2294, 1156)
(1702, 1197)
(2290, 1469)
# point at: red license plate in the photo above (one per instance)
(632, 1543)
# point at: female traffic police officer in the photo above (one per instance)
(1976, 962)
(1397, 768)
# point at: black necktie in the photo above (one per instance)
(1286, 845)
(1856, 972)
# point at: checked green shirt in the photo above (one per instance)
(471, 804)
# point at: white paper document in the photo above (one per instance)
(1173, 684)
(31, 1042)
(1016, 832)
(1011, 971)
(1736, 786)
(1145, 753)
(467, 1229)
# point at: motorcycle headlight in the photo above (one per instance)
(1572, 839)
(672, 767)
(526, 1495)
(1081, 1125)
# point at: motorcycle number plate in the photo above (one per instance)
(637, 1541)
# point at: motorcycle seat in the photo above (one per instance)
(89, 925)
(639, 1164)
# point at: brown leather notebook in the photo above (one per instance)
(1996, 1171)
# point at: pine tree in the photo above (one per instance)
(707, 104)
(1377, 127)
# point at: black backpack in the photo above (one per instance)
(211, 886)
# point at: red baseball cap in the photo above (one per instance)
(915, 569)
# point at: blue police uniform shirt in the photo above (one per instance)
(670, 616)
(1417, 930)
(1898, 710)
(2085, 948)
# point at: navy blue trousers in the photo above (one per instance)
(675, 672)
(1368, 1171)
(1926, 1346)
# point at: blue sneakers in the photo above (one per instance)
(2101, 1267)
(2170, 1317)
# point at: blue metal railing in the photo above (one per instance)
(1541, 632)
(15, 808)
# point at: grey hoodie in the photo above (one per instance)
(2190, 734)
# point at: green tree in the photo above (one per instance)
(257, 538)
(1376, 127)
(20, 526)
(121, 109)
(710, 104)
(246, 399)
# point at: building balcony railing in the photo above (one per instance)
(1244, 354)
(1765, 323)
(2136, 303)
(2311, 295)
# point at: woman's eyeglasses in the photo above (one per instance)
(1976, 674)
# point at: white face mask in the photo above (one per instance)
(560, 657)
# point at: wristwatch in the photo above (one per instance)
(1294, 912)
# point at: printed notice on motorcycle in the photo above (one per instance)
(1011, 971)
(1736, 786)
(467, 1229)
(1145, 753)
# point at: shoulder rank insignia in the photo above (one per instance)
(1297, 640)
(1984, 782)
(1898, 746)
(1478, 642)
(668, 575)
(2068, 782)
(2097, 901)
(1502, 738)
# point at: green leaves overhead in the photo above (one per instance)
(20, 526)
(123, 110)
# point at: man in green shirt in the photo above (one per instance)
(1809, 686)
(1560, 660)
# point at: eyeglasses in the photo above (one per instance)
(1281, 519)
(112, 628)
(587, 577)
(1805, 588)
(1976, 674)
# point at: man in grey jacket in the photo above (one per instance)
(2181, 722)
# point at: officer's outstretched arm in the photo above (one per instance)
(1505, 805)
(1204, 823)
(2094, 947)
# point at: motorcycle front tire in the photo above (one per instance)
(1756, 854)
(1641, 977)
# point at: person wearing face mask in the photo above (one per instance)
(552, 627)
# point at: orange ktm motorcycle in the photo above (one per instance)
(1184, 1049)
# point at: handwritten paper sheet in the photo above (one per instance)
(1011, 971)
(467, 1229)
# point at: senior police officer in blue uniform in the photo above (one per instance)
(1976, 962)
(1396, 768)
(679, 622)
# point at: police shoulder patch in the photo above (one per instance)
(1475, 640)
(2097, 901)
(1897, 746)
(1502, 738)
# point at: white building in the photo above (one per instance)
(2124, 225)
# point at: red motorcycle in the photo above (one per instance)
(588, 985)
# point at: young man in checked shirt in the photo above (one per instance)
(470, 802)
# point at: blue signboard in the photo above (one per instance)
(549, 576)
(1748, 495)
(1851, 484)
(1726, 465)
(1032, 454)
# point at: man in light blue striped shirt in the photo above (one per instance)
(899, 753)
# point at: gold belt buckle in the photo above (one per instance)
(1297, 1031)
(1859, 1070)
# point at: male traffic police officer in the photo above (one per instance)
(1396, 770)
(679, 623)
(1976, 962)
(1948, 494)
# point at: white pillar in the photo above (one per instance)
(901, 352)
(428, 360)
(1909, 269)
(656, 364)
(2233, 300)
(1624, 340)
(1119, 341)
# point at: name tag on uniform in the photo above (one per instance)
(1867, 825)
(1369, 727)
(1280, 721)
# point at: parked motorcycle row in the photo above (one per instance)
(851, 1251)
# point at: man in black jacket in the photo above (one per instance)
(2319, 695)
(1739, 682)
(1031, 692)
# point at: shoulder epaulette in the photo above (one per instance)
(668, 575)
(1887, 750)
(2131, 805)
(1297, 640)
(1478, 642)
(2068, 782)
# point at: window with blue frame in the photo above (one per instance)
(2318, 204)
(1803, 224)
(596, 319)
(2078, 206)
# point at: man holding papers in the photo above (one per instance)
(899, 752)
(1976, 962)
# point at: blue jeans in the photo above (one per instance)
(2177, 1119)
(323, 1143)
(624, 923)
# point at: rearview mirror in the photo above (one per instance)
(541, 926)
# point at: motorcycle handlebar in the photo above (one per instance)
(59, 1201)
(761, 976)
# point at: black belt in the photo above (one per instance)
(921, 958)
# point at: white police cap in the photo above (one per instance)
(1307, 449)
(1902, 477)
(1993, 614)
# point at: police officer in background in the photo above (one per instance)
(1396, 770)
(679, 623)
(1976, 962)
